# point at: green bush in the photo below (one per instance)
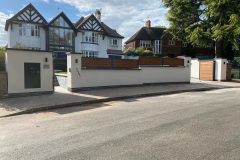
(2, 59)
(237, 59)
(139, 52)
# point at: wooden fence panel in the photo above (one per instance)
(96, 62)
(125, 63)
(229, 72)
(150, 61)
(173, 61)
(206, 70)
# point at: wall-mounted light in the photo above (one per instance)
(46, 59)
(76, 60)
(188, 61)
(224, 62)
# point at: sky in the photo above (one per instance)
(126, 16)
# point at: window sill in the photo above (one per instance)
(89, 43)
(113, 45)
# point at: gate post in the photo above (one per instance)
(74, 66)
(220, 69)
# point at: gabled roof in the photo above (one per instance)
(91, 23)
(63, 15)
(147, 34)
(28, 14)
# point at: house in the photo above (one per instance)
(161, 42)
(89, 35)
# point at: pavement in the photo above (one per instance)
(63, 98)
(185, 126)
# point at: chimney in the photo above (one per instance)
(98, 15)
(148, 24)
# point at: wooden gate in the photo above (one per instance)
(207, 70)
(229, 72)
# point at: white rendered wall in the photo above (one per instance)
(195, 68)
(102, 46)
(29, 41)
(220, 69)
(15, 60)
(94, 78)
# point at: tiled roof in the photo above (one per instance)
(111, 32)
(147, 34)
(114, 51)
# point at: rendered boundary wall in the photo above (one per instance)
(15, 60)
(79, 79)
(220, 68)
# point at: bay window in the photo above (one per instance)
(90, 37)
(89, 54)
(145, 44)
(29, 30)
(113, 42)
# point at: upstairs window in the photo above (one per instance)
(145, 44)
(90, 37)
(184, 44)
(29, 30)
(171, 42)
(113, 42)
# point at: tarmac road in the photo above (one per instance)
(200, 125)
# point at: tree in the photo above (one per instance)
(202, 21)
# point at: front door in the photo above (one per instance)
(32, 75)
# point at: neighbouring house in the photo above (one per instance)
(161, 42)
(28, 29)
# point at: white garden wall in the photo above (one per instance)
(15, 60)
(101, 77)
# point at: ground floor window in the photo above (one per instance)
(90, 54)
(145, 44)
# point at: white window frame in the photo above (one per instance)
(92, 54)
(171, 42)
(145, 43)
(25, 29)
(113, 42)
(91, 37)
(184, 44)
(157, 46)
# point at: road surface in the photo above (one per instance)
(200, 125)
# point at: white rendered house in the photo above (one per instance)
(89, 35)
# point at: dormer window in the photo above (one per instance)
(29, 30)
(113, 42)
(171, 42)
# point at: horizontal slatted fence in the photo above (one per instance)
(206, 70)
(150, 61)
(125, 63)
(173, 61)
(96, 62)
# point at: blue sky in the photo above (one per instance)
(126, 16)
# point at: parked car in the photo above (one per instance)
(60, 60)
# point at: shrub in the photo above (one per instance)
(2, 59)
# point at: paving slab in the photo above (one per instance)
(63, 98)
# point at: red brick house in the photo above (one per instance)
(160, 42)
